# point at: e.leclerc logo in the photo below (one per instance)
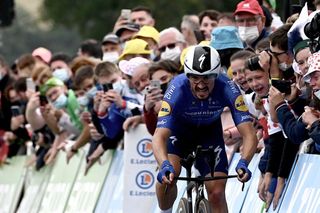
(144, 179)
(144, 148)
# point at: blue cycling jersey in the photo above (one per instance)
(180, 109)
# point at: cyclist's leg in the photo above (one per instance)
(167, 194)
(216, 193)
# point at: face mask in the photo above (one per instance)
(171, 54)
(122, 45)
(153, 55)
(62, 74)
(61, 101)
(118, 86)
(83, 100)
(283, 66)
(1, 76)
(248, 34)
(92, 92)
(110, 56)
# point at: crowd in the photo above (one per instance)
(61, 102)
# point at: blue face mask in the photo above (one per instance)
(62, 74)
(61, 101)
(92, 92)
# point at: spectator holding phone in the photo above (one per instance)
(162, 72)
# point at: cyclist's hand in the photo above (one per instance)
(166, 171)
(244, 174)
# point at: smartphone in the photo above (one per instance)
(30, 84)
(125, 14)
(283, 86)
(15, 111)
(106, 87)
(43, 100)
(155, 84)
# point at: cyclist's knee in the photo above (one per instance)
(216, 194)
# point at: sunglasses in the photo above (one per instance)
(198, 78)
(170, 46)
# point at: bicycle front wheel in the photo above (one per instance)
(183, 206)
(204, 206)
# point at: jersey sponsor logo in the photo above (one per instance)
(169, 92)
(144, 179)
(240, 104)
(165, 109)
(144, 148)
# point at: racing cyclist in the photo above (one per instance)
(190, 116)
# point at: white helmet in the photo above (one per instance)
(202, 60)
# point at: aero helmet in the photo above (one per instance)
(202, 60)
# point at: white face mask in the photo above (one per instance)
(118, 86)
(83, 101)
(92, 92)
(62, 74)
(283, 66)
(110, 56)
(171, 54)
(248, 34)
(61, 101)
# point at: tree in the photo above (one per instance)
(94, 19)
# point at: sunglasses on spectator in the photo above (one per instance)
(170, 46)
(251, 20)
(204, 78)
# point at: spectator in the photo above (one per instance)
(208, 20)
(25, 65)
(162, 71)
(142, 16)
(126, 31)
(189, 26)
(111, 48)
(226, 41)
(135, 48)
(42, 54)
(151, 36)
(250, 21)
(59, 65)
(90, 48)
(171, 44)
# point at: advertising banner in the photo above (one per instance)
(111, 196)
(303, 191)
(60, 183)
(86, 189)
(140, 171)
(11, 183)
(37, 182)
(234, 194)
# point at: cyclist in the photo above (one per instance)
(190, 116)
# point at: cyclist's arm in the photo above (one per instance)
(250, 140)
(159, 144)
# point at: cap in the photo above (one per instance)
(129, 26)
(249, 6)
(148, 32)
(52, 82)
(111, 38)
(225, 37)
(135, 46)
(42, 53)
(314, 65)
(300, 46)
(128, 66)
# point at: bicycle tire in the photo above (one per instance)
(204, 206)
(183, 206)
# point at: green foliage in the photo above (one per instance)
(94, 19)
(24, 35)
